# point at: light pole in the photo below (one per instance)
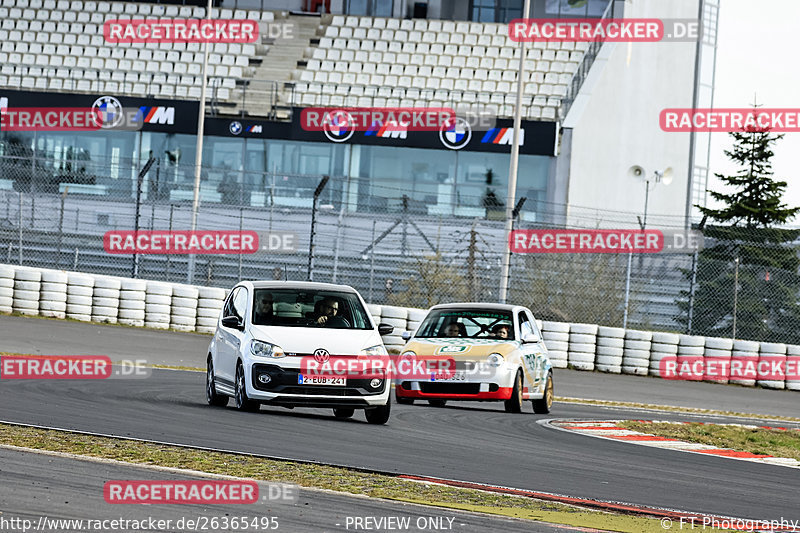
(514, 166)
(317, 192)
(198, 158)
(638, 172)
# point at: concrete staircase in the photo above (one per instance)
(279, 64)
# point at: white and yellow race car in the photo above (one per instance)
(498, 354)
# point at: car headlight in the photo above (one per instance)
(265, 349)
(378, 349)
(495, 359)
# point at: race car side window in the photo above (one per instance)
(525, 327)
(228, 310)
(240, 302)
(534, 325)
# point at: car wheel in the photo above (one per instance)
(217, 400)
(542, 407)
(437, 403)
(379, 415)
(344, 412)
(514, 404)
(243, 403)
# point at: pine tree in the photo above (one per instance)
(748, 229)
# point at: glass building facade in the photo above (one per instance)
(265, 172)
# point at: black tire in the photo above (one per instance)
(542, 407)
(437, 403)
(379, 415)
(514, 404)
(217, 400)
(343, 412)
(243, 403)
(404, 401)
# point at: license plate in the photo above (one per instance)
(449, 376)
(321, 380)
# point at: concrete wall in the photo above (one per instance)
(616, 124)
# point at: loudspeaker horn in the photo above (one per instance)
(636, 172)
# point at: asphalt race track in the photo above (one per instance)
(479, 443)
(58, 488)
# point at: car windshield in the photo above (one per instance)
(469, 323)
(309, 308)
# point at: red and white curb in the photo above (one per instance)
(608, 429)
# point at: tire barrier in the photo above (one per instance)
(663, 345)
(771, 370)
(610, 344)
(398, 318)
(745, 355)
(582, 346)
(80, 288)
(183, 311)
(163, 305)
(53, 294)
(690, 355)
(6, 288)
(636, 352)
(793, 361)
(210, 301)
(157, 305)
(27, 284)
(717, 358)
(132, 304)
(105, 299)
(556, 338)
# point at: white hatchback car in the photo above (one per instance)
(267, 333)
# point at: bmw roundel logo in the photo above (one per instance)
(110, 110)
(338, 126)
(235, 127)
(455, 135)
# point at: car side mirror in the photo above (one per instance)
(531, 338)
(385, 329)
(232, 322)
(406, 335)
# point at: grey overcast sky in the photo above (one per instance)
(757, 49)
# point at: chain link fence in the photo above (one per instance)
(394, 252)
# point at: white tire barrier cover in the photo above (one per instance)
(638, 335)
(559, 327)
(587, 329)
(178, 301)
(605, 331)
(162, 289)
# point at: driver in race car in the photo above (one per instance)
(325, 310)
(501, 331)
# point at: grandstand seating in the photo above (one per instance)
(362, 61)
(59, 46)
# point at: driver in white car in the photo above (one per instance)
(325, 310)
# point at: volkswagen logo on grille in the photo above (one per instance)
(321, 355)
